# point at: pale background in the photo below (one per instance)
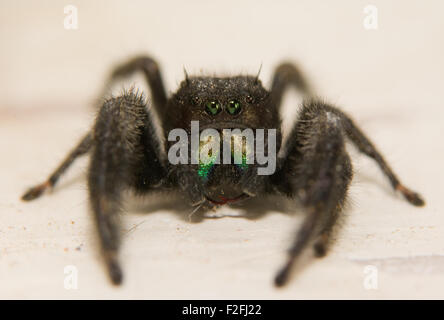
(390, 80)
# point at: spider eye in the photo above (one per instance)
(213, 107)
(195, 100)
(249, 99)
(234, 107)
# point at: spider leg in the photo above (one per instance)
(323, 238)
(151, 70)
(81, 149)
(318, 170)
(366, 146)
(125, 154)
(287, 74)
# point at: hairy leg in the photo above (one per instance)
(318, 175)
(323, 238)
(122, 143)
(359, 139)
(151, 71)
(149, 67)
(82, 148)
(365, 146)
(285, 75)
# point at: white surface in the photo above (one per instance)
(389, 80)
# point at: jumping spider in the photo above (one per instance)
(127, 153)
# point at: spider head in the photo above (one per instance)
(234, 103)
(221, 103)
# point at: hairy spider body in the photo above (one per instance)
(128, 153)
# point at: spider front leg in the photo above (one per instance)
(125, 154)
(285, 75)
(149, 67)
(82, 148)
(366, 146)
(317, 171)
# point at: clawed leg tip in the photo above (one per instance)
(35, 192)
(417, 200)
(411, 196)
(31, 194)
(117, 279)
(280, 280)
(28, 196)
(116, 274)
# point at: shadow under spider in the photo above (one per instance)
(252, 208)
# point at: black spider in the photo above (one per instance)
(126, 152)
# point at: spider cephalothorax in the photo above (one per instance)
(225, 105)
(127, 152)
(240, 102)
